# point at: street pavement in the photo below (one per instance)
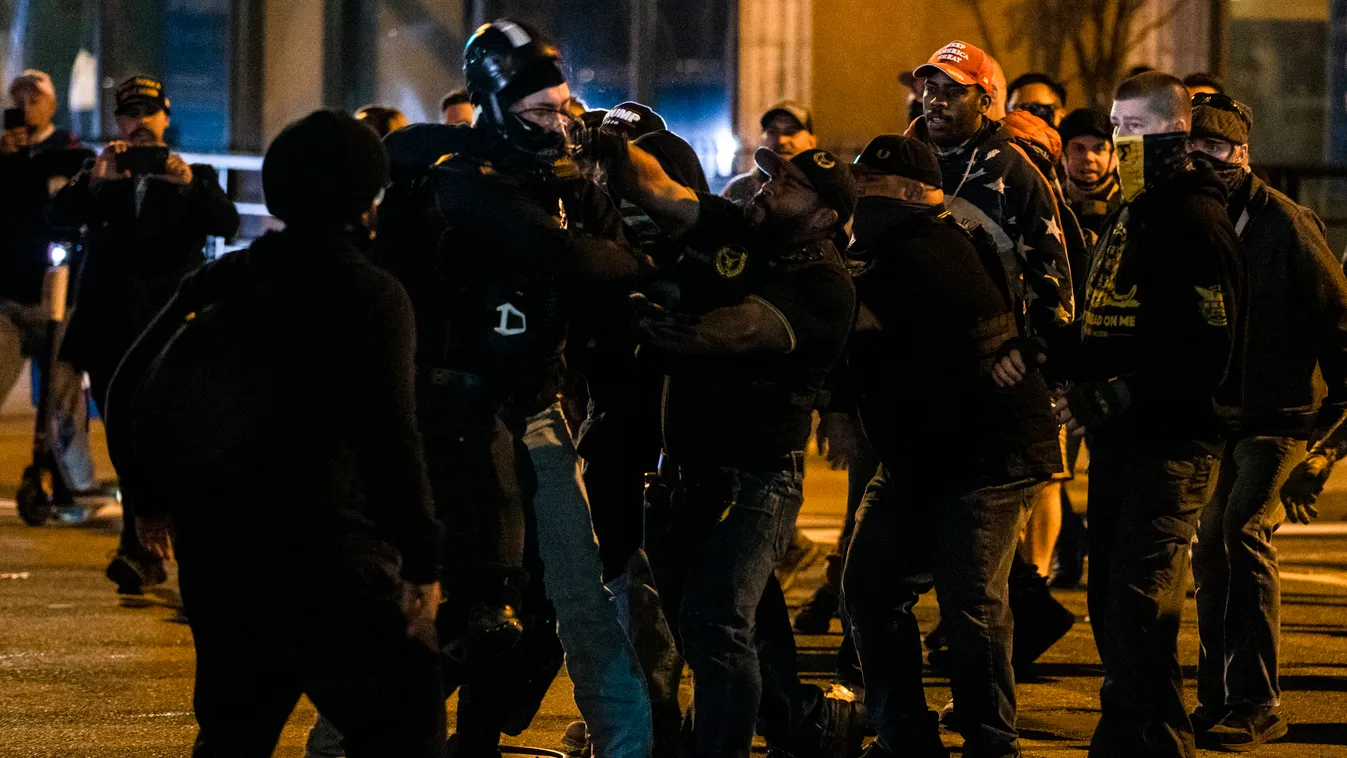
(84, 673)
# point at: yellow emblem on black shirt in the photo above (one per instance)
(731, 261)
(1213, 306)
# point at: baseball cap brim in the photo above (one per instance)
(925, 70)
(799, 117)
(129, 102)
(774, 165)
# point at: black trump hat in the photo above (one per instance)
(902, 156)
(821, 171)
(141, 90)
(633, 120)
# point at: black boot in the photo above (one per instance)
(1039, 619)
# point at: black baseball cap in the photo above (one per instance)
(796, 111)
(633, 120)
(141, 90)
(1085, 122)
(902, 156)
(822, 171)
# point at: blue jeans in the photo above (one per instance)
(1144, 503)
(963, 545)
(1238, 585)
(714, 550)
(609, 686)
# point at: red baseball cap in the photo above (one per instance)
(962, 62)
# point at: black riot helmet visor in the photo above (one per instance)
(506, 61)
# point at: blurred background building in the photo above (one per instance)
(238, 70)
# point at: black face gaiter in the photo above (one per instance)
(1232, 175)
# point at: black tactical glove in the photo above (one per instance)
(1094, 404)
(1302, 489)
(601, 144)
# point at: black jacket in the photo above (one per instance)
(135, 257)
(504, 254)
(1160, 313)
(25, 196)
(925, 396)
(1294, 314)
(270, 410)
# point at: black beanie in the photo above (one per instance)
(323, 170)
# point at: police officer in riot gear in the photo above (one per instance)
(492, 229)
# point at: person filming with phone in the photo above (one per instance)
(36, 160)
(147, 214)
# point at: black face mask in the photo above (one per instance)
(877, 217)
(1232, 175)
(1042, 110)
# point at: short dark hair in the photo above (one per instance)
(457, 97)
(1203, 79)
(1138, 71)
(1164, 94)
(1024, 80)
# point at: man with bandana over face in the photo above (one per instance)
(1294, 319)
(925, 513)
(1146, 361)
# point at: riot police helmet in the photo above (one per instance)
(504, 62)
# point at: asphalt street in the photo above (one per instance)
(84, 673)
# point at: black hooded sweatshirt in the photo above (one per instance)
(276, 390)
(943, 313)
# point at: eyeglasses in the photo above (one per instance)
(1225, 103)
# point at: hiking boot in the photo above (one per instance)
(817, 615)
(133, 574)
(575, 742)
(1203, 719)
(1245, 728)
(1040, 621)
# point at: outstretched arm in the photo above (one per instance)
(637, 175)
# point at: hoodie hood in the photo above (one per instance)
(956, 163)
(1040, 140)
(275, 257)
(992, 134)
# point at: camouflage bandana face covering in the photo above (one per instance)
(1145, 160)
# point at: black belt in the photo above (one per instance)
(792, 463)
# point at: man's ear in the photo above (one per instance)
(824, 218)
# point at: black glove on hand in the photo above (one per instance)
(1302, 489)
(1094, 404)
(601, 144)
